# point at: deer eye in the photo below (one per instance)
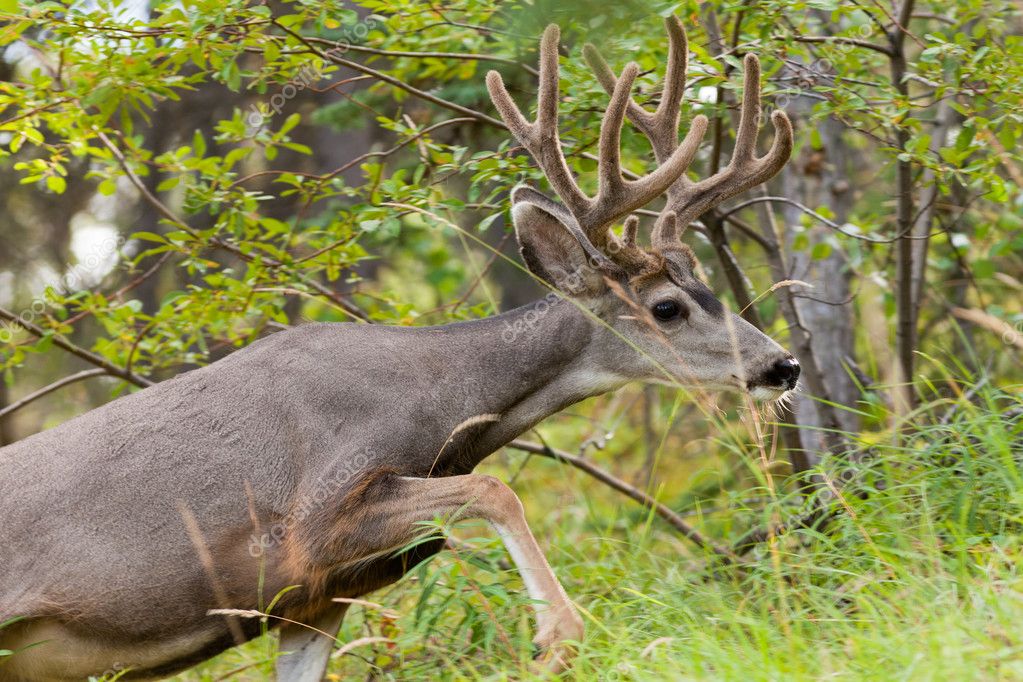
(668, 310)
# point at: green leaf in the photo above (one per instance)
(198, 144)
(33, 135)
(296, 147)
(965, 137)
(149, 237)
(488, 221)
(168, 183)
(984, 268)
(289, 123)
(56, 184)
(271, 52)
(235, 155)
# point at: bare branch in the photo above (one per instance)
(463, 56)
(801, 337)
(390, 80)
(907, 313)
(841, 40)
(55, 386)
(810, 212)
(669, 515)
(75, 350)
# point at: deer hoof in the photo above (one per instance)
(552, 661)
(552, 644)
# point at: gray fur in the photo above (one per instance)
(92, 533)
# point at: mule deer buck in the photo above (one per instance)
(309, 457)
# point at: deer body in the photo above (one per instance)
(309, 457)
(322, 407)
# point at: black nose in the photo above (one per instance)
(783, 373)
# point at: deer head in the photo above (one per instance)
(647, 298)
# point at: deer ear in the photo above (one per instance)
(550, 251)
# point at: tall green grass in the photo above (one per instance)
(917, 576)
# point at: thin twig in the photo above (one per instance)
(747, 231)
(46, 390)
(362, 157)
(117, 295)
(135, 345)
(841, 40)
(390, 80)
(814, 214)
(463, 56)
(75, 350)
(666, 513)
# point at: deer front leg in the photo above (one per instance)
(305, 651)
(392, 520)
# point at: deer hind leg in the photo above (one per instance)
(388, 521)
(305, 651)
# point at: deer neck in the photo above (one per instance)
(530, 363)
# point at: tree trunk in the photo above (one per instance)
(821, 178)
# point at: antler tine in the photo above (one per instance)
(549, 90)
(744, 170)
(641, 118)
(666, 232)
(749, 112)
(661, 125)
(625, 252)
(541, 137)
(688, 200)
(609, 166)
(629, 233)
(616, 196)
(670, 106)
